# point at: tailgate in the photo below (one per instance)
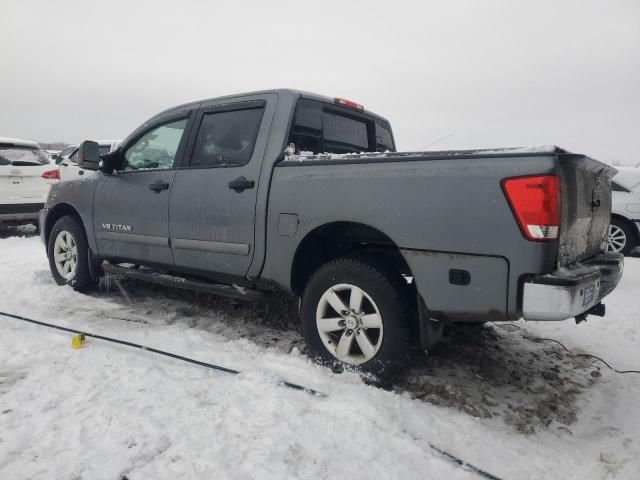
(586, 207)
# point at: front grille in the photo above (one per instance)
(21, 208)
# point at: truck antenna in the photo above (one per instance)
(436, 141)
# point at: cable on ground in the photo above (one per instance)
(571, 354)
(444, 454)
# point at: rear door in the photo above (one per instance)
(213, 200)
(131, 206)
(21, 170)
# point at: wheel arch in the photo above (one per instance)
(338, 239)
(56, 213)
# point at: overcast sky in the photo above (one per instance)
(481, 73)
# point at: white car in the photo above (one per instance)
(624, 231)
(22, 186)
(67, 160)
(65, 153)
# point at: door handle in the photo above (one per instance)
(240, 184)
(158, 186)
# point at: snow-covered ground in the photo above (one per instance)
(511, 405)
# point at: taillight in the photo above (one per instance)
(535, 202)
(349, 103)
(52, 174)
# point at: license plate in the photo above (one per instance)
(588, 295)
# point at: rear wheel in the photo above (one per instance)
(353, 315)
(69, 254)
(621, 239)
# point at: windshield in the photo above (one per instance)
(22, 156)
(104, 149)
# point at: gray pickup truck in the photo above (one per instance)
(247, 194)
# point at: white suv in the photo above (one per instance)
(22, 186)
(624, 231)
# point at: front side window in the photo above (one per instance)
(226, 138)
(157, 148)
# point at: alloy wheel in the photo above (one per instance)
(616, 239)
(349, 324)
(65, 254)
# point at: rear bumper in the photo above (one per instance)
(570, 292)
(18, 212)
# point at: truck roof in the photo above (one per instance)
(277, 91)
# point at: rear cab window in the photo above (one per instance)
(320, 127)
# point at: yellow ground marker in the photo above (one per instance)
(77, 341)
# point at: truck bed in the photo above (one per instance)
(467, 221)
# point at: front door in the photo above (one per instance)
(213, 201)
(131, 206)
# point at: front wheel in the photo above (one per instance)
(353, 315)
(68, 254)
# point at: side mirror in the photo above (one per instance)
(88, 155)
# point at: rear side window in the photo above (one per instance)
(616, 187)
(324, 128)
(226, 138)
(22, 156)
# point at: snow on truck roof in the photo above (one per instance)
(19, 142)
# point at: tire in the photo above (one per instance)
(68, 238)
(621, 238)
(375, 338)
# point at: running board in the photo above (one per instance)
(233, 291)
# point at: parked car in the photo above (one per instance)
(624, 231)
(67, 161)
(22, 187)
(65, 153)
(280, 189)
